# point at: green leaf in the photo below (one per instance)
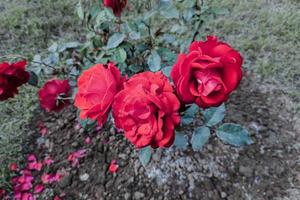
(154, 61)
(79, 10)
(94, 11)
(167, 70)
(189, 115)
(119, 55)
(200, 137)
(36, 65)
(170, 12)
(135, 35)
(145, 155)
(234, 134)
(214, 115)
(135, 68)
(180, 141)
(88, 124)
(115, 40)
(104, 15)
(52, 59)
(53, 48)
(34, 79)
(149, 14)
(188, 14)
(68, 45)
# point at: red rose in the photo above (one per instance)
(147, 110)
(116, 5)
(11, 77)
(53, 95)
(208, 73)
(97, 88)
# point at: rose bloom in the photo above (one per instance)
(11, 77)
(208, 73)
(97, 88)
(53, 95)
(116, 5)
(147, 110)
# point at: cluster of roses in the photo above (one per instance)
(145, 106)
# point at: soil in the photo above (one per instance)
(267, 169)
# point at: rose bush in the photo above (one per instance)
(208, 73)
(147, 110)
(11, 77)
(53, 95)
(97, 88)
(116, 5)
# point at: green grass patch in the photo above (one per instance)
(29, 26)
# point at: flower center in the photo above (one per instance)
(209, 81)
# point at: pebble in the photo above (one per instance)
(75, 144)
(127, 196)
(65, 181)
(84, 177)
(246, 171)
(223, 194)
(123, 156)
(139, 195)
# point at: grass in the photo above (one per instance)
(28, 26)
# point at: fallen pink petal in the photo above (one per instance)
(31, 158)
(38, 188)
(27, 196)
(56, 198)
(35, 166)
(13, 167)
(51, 178)
(113, 167)
(73, 158)
(26, 186)
(87, 140)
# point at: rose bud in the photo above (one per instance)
(116, 5)
(11, 77)
(54, 95)
(97, 88)
(147, 110)
(208, 73)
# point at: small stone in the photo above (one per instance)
(65, 181)
(74, 144)
(246, 171)
(223, 194)
(84, 177)
(81, 131)
(123, 156)
(139, 195)
(191, 181)
(127, 196)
